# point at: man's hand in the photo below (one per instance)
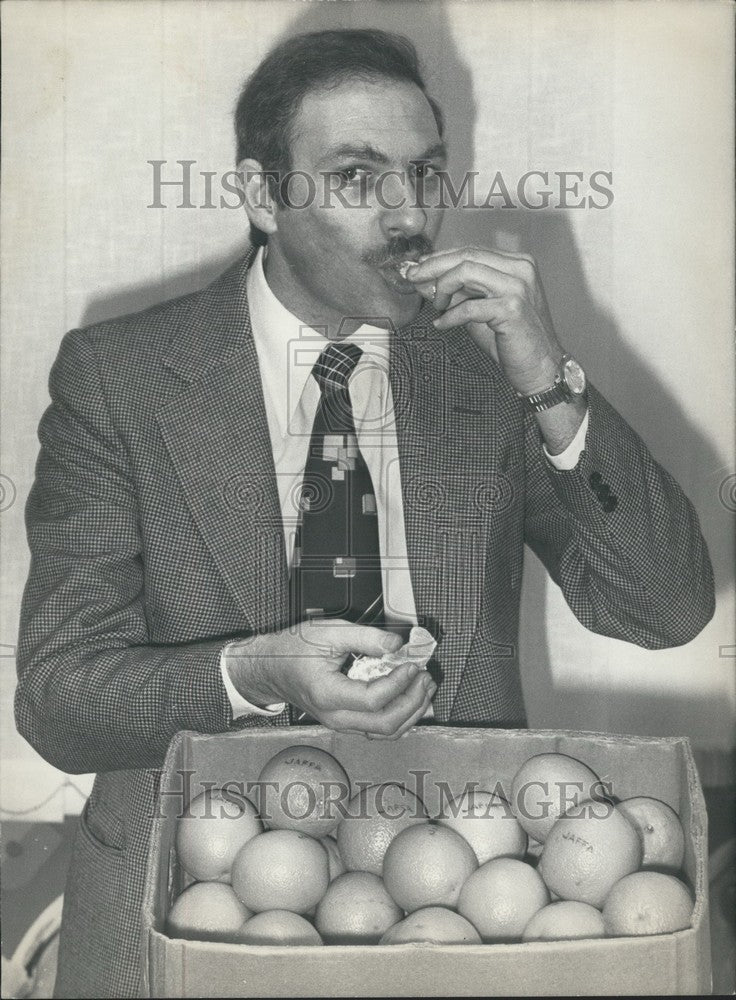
(500, 297)
(303, 669)
(502, 291)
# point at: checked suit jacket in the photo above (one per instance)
(156, 535)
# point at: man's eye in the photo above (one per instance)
(425, 170)
(349, 175)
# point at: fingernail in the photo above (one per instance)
(412, 669)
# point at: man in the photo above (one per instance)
(175, 519)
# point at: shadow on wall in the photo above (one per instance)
(645, 711)
(587, 330)
(135, 297)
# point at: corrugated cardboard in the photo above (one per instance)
(663, 964)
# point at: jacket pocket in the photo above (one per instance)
(98, 944)
(101, 829)
(103, 814)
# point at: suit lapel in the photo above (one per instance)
(216, 433)
(446, 430)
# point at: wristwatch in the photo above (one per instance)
(569, 385)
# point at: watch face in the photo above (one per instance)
(574, 377)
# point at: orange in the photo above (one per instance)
(427, 865)
(545, 787)
(647, 903)
(212, 832)
(435, 924)
(356, 909)
(588, 851)
(281, 870)
(337, 865)
(375, 816)
(305, 789)
(207, 911)
(278, 927)
(488, 825)
(501, 897)
(565, 921)
(662, 836)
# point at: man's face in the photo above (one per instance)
(336, 258)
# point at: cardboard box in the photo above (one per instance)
(663, 964)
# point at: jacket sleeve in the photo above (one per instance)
(618, 536)
(94, 694)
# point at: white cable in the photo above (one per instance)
(16, 981)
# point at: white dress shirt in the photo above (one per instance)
(287, 350)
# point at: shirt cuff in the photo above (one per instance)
(570, 457)
(241, 706)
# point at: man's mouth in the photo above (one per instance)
(391, 261)
(394, 274)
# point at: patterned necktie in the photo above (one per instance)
(336, 569)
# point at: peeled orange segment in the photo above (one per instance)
(278, 927)
(433, 924)
(548, 785)
(501, 897)
(488, 825)
(417, 650)
(305, 789)
(565, 921)
(588, 851)
(647, 903)
(207, 911)
(356, 909)
(281, 870)
(662, 836)
(370, 668)
(212, 831)
(374, 817)
(427, 865)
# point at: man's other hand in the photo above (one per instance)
(500, 296)
(302, 667)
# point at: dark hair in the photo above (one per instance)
(271, 97)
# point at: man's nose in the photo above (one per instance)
(401, 214)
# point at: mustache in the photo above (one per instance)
(398, 249)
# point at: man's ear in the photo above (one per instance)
(259, 202)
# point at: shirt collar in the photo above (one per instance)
(287, 348)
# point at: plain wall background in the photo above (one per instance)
(640, 292)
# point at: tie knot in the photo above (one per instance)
(335, 365)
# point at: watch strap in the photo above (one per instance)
(561, 390)
(539, 401)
